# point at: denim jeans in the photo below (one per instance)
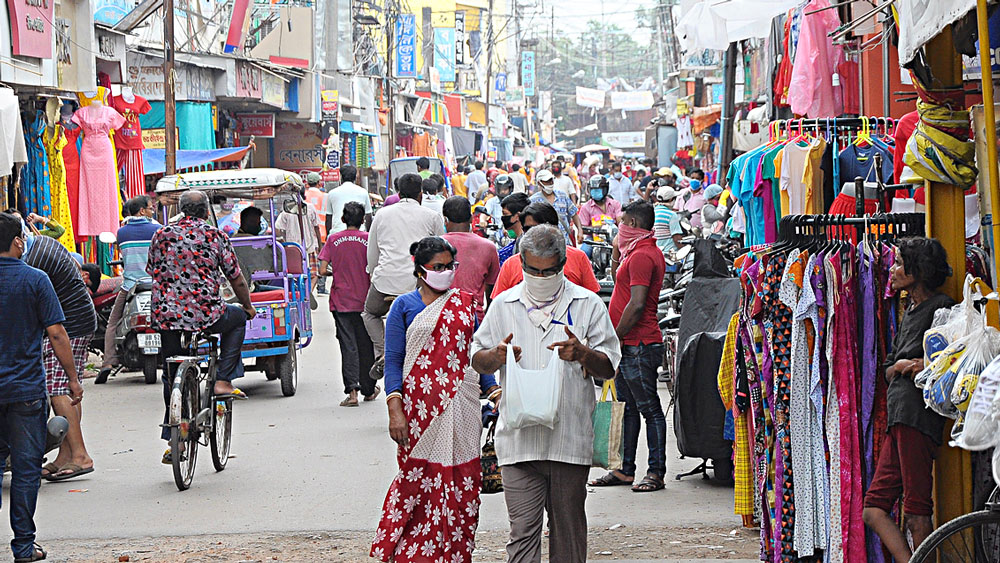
(22, 436)
(232, 326)
(636, 386)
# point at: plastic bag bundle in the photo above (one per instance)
(978, 355)
(981, 430)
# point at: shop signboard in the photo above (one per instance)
(272, 90)
(589, 97)
(406, 43)
(331, 175)
(331, 105)
(460, 37)
(110, 12)
(249, 83)
(514, 95)
(624, 139)
(297, 146)
(444, 53)
(145, 75)
(31, 27)
(501, 82)
(632, 101)
(333, 159)
(528, 72)
(156, 138)
(256, 124)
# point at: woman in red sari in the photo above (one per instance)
(432, 507)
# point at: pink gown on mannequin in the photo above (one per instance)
(98, 174)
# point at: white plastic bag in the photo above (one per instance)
(982, 425)
(531, 397)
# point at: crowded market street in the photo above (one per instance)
(306, 482)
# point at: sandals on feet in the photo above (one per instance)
(349, 402)
(38, 554)
(374, 395)
(648, 484)
(74, 471)
(609, 480)
(51, 468)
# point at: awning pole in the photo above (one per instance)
(982, 15)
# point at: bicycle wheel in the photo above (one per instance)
(972, 538)
(222, 432)
(184, 436)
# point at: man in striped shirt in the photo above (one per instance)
(49, 256)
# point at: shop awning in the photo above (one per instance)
(153, 160)
(348, 127)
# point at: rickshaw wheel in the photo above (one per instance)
(288, 370)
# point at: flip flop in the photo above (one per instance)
(236, 394)
(74, 469)
(348, 402)
(374, 395)
(51, 468)
(37, 554)
(609, 480)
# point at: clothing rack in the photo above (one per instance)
(840, 122)
(821, 228)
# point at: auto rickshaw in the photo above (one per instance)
(277, 272)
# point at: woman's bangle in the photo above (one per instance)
(394, 394)
(493, 396)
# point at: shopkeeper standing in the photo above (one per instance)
(906, 461)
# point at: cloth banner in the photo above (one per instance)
(154, 159)
(589, 97)
(632, 101)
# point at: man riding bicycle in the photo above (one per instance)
(187, 261)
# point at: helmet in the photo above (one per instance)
(713, 191)
(597, 182)
(503, 183)
(312, 178)
(666, 194)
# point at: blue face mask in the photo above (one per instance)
(597, 195)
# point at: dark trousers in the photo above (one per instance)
(22, 436)
(232, 326)
(636, 386)
(357, 354)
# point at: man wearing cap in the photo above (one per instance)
(333, 205)
(666, 222)
(560, 200)
(714, 214)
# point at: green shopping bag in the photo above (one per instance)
(608, 428)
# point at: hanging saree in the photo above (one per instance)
(35, 179)
(55, 141)
(432, 508)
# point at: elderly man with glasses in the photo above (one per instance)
(546, 467)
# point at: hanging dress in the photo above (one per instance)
(98, 175)
(55, 142)
(35, 178)
(129, 145)
(71, 166)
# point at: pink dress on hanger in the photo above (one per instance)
(98, 174)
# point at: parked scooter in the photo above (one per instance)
(137, 343)
(600, 240)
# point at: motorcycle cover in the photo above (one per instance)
(708, 305)
(708, 260)
(699, 415)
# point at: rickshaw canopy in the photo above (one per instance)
(248, 183)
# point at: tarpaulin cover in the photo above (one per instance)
(154, 163)
(699, 415)
(708, 261)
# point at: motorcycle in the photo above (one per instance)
(137, 343)
(600, 239)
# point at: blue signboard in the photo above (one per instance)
(444, 53)
(501, 83)
(406, 42)
(528, 72)
(110, 12)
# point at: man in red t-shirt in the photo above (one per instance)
(478, 261)
(633, 311)
(348, 249)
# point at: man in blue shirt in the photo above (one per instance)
(133, 242)
(23, 410)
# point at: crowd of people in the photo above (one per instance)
(487, 267)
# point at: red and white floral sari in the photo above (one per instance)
(432, 508)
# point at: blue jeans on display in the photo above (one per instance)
(22, 436)
(232, 326)
(636, 386)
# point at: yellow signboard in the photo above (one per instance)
(157, 138)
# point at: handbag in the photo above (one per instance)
(492, 482)
(609, 417)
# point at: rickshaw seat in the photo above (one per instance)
(293, 255)
(265, 296)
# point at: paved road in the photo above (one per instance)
(300, 464)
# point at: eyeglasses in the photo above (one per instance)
(547, 273)
(442, 267)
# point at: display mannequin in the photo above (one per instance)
(98, 175)
(128, 140)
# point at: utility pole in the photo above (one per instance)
(390, 31)
(489, 63)
(169, 102)
(659, 46)
(728, 110)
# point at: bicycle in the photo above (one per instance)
(973, 537)
(195, 415)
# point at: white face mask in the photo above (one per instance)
(438, 281)
(542, 290)
(547, 189)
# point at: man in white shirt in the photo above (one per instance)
(543, 317)
(476, 182)
(392, 232)
(333, 204)
(433, 198)
(619, 186)
(564, 182)
(519, 179)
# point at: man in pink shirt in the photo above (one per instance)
(348, 249)
(478, 261)
(598, 208)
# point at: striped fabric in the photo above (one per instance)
(130, 164)
(743, 496)
(52, 258)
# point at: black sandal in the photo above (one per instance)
(38, 555)
(648, 484)
(609, 480)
